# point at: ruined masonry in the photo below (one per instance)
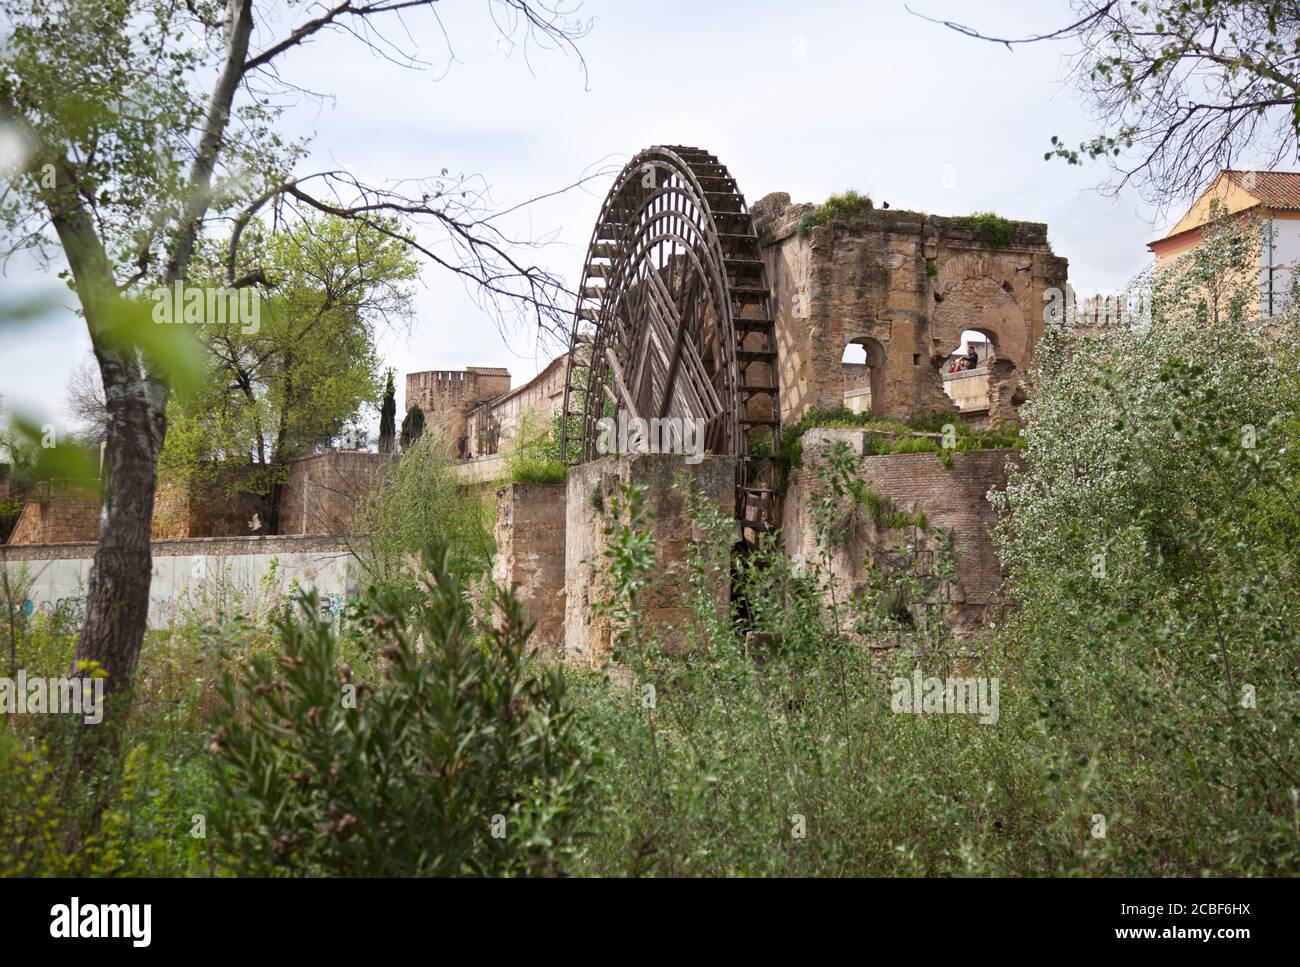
(692, 306)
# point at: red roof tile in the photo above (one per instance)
(1274, 189)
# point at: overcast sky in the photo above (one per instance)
(809, 97)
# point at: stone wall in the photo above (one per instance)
(530, 559)
(968, 389)
(447, 397)
(481, 470)
(58, 512)
(322, 494)
(531, 407)
(592, 489)
(906, 285)
(223, 505)
(954, 501)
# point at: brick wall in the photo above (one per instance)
(533, 405)
(221, 502)
(58, 512)
(323, 493)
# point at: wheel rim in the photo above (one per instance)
(674, 317)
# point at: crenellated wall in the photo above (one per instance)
(448, 396)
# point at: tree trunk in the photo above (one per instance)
(117, 599)
(277, 475)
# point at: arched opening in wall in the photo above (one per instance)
(965, 374)
(863, 366)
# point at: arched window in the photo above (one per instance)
(965, 373)
(863, 366)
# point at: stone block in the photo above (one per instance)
(530, 559)
(592, 489)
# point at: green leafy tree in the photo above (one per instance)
(465, 759)
(142, 124)
(289, 384)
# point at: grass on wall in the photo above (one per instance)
(836, 206)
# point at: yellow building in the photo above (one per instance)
(1273, 197)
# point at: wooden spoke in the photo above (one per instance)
(674, 317)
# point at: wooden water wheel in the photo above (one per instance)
(674, 320)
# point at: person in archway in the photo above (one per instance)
(972, 357)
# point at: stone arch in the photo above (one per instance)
(989, 294)
(873, 380)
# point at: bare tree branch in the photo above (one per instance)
(1179, 91)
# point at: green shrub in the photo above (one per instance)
(836, 206)
(915, 444)
(464, 759)
(538, 471)
(51, 823)
(534, 452)
(11, 508)
(418, 501)
(990, 228)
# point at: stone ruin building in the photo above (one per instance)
(694, 306)
(905, 287)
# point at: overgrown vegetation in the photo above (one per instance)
(1147, 710)
(989, 227)
(836, 206)
(417, 502)
(921, 434)
(533, 454)
(11, 508)
(463, 758)
(140, 808)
